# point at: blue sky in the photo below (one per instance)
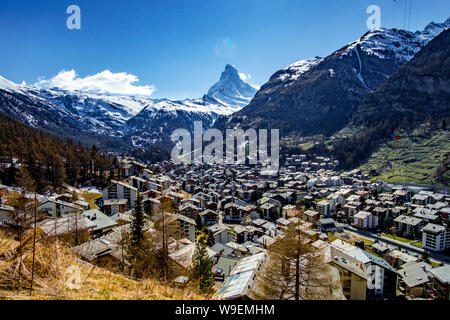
(171, 44)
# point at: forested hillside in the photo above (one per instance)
(50, 161)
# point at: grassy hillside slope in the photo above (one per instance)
(416, 161)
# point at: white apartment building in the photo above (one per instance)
(120, 190)
(366, 220)
(435, 237)
(187, 226)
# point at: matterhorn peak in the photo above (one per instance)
(230, 72)
(231, 90)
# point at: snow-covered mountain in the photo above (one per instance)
(67, 112)
(288, 75)
(231, 90)
(136, 120)
(320, 96)
(398, 44)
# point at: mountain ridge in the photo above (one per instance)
(123, 117)
(324, 96)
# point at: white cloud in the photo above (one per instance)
(104, 82)
(247, 77)
(243, 76)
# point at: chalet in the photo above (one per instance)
(55, 208)
(138, 183)
(146, 174)
(192, 201)
(421, 199)
(414, 277)
(176, 198)
(238, 249)
(232, 213)
(409, 226)
(397, 258)
(201, 199)
(352, 208)
(402, 195)
(114, 206)
(265, 241)
(102, 223)
(104, 251)
(383, 275)
(187, 226)
(249, 211)
(209, 217)
(243, 234)
(327, 225)
(282, 224)
(240, 234)
(353, 275)
(152, 194)
(222, 249)
(152, 185)
(270, 210)
(190, 185)
(75, 227)
(397, 211)
(311, 216)
(211, 205)
(246, 195)
(428, 215)
(6, 214)
(269, 228)
(181, 260)
(440, 278)
(259, 222)
(151, 206)
(126, 169)
(289, 211)
(220, 233)
(121, 190)
(189, 210)
(380, 248)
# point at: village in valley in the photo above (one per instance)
(352, 237)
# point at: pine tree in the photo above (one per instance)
(24, 180)
(199, 222)
(202, 268)
(59, 172)
(138, 223)
(137, 242)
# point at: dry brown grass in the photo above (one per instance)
(91, 197)
(53, 265)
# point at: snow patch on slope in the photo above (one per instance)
(403, 44)
(295, 70)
